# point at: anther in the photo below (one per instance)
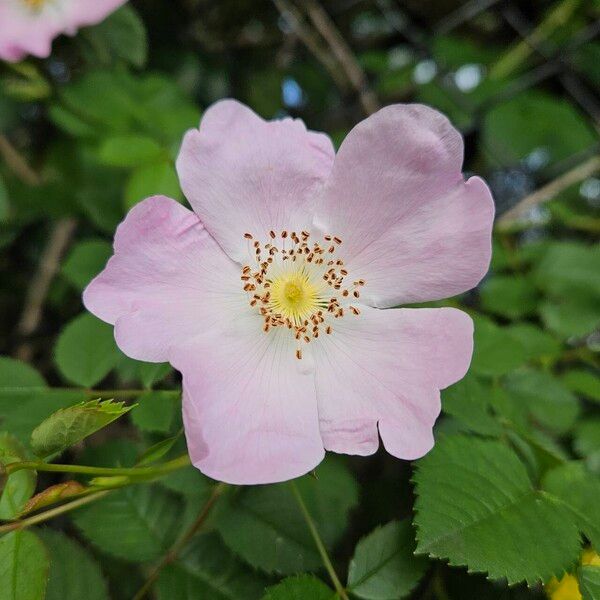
(248, 236)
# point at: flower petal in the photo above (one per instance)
(167, 281)
(250, 411)
(242, 174)
(25, 30)
(387, 367)
(411, 226)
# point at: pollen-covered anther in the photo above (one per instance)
(295, 287)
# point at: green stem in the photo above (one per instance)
(54, 512)
(162, 469)
(182, 542)
(339, 588)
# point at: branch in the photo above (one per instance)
(341, 50)
(39, 286)
(17, 163)
(311, 41)
(549, 191)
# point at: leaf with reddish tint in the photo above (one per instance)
(52, 495)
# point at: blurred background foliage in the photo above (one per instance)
(511, 489)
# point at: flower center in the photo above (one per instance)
(299, 284)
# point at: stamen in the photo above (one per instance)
(296, 288)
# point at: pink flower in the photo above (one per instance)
(29, 26)
(270, 296)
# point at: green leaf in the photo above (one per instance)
(19, 486)
(206, 569)
(121, 35)
(264, 526)
(188, 482)
(25, 400)
(16, 374)
(157, 451)
(129, 150)
(384, 566)
(585, 383)
(537, 343)
(545, 398)
(580, 491)
(23, 566)
(300, 587)
(74, 574)
(469, 402)
(510, 296)
(73, 424)
(587, 437)
(589, 582)
(574, 315)
(567, 266)
(135, 523)
(532, 121)
(496, 352)
(85, 261)
(85, 351)
(155, 412)
(477, 507)
(150, 180)
(133, 371)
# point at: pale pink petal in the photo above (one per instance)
(411, 226)
(386, 367)
(167, 281)
(249, 405)
(24, 30)
(242, 174)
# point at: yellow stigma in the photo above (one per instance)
(294, 296)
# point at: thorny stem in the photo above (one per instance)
(162, 469)
(339, 588)
(182, 542)
(54, 512)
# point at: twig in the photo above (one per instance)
(462, 14)
(17, 163)
(339, 588)
(311, 41)
(183, 541)
(155, 471)
(39, 286)
(344, 55)
(55, 512)
(550, 190)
